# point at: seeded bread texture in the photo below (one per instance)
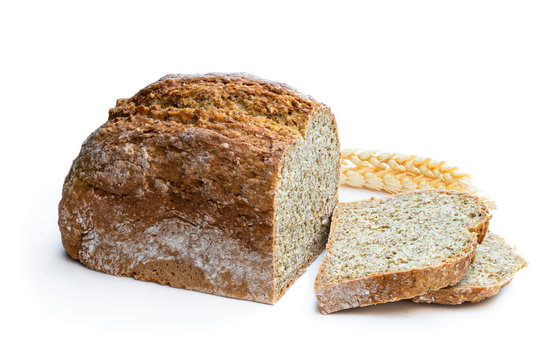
(398, 247)
(221, 183)
(495, 265)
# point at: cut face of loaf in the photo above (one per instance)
(218, 183)
(495, 264)
(398, 247)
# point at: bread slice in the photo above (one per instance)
(221, 183)
(494, 267)
(398, 247)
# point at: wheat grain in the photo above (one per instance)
(396, 173)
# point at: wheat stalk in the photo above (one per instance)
(396, 173)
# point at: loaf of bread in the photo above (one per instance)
(221, 183)
(495, 265)
(395, 248)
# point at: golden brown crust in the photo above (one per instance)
(388, 287)
(457, 296)
(183, 195)
(275, 101)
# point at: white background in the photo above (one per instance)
(453, 80)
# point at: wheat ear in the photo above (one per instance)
(396, 173)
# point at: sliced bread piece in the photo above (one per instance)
(494, 267)
(398, 247)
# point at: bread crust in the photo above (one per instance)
(457, 296)
(182, 196)
(254, 96)
(394, 286)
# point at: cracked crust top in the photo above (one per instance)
(277, 102)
